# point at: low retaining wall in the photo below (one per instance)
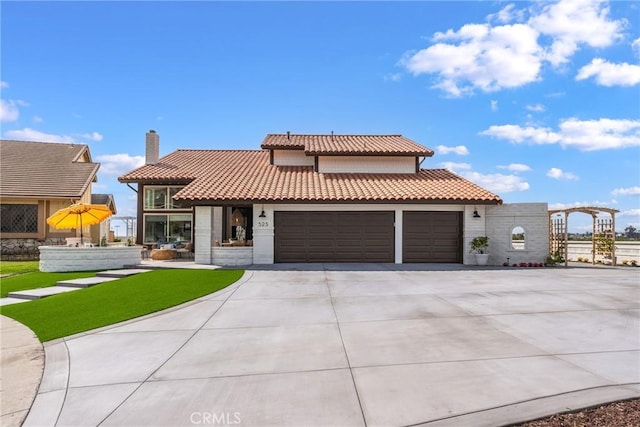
(63, 258)
(232, 256)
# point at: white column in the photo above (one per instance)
(398, 230)
(263, 234)
(203, 232)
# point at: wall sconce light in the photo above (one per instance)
(475, 213)
(262, 214)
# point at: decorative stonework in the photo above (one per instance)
(25, 249)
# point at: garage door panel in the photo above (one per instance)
(432, 237)
(334, 236)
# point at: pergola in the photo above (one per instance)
(560, 227)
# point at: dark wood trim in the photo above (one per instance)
(271, 155)
(417, 164)
(316, 164)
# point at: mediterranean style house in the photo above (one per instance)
(323, 198)
(36, 180)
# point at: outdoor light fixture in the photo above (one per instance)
(475, 213)
(237, 218)
(262, 214)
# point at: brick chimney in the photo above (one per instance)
(153, 147)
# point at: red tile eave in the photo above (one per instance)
(370, 153)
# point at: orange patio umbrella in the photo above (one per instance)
(79, 214)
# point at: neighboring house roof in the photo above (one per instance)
(340, 145)
(104, 199)
(48, 170)
(234, 175)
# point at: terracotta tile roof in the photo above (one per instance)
(223, 175)
(45, 169)
(387, 145)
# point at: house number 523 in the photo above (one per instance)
(263, 224)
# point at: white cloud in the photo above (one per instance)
(9, 111)
(507, 14)
(454, 167)
(630, 213)
(571, 23)
(610, 74)
(94, 136)
(635, 45)
(536, 108)
(28, 134)
(490, 58)
(118, 164)
(37, 119)
(630, 191)
(3, 84)
(393, 77)
(479, 56)
(518, 134)
(585, 135)
(516, 167)
(497, 182)
(460, 150)
(557, 173)
(494, 105)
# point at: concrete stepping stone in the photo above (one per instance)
(122, 273)
(9, 301)
(31, 294)
(85, 282)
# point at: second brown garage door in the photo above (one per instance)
(334, 237)
(432, 237)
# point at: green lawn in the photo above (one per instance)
(18, 267)
(37, 279)
(112, 302)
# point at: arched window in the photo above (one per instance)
(518, 238)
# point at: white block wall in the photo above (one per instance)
(204, 234)
(64, 258)
(233, 256)
(472, 227)
(292, 158)
(263, 235)
(500, 222)
(366, 164)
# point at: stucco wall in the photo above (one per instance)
(292, 158)
(232, 256)
(501, 220)
(366, 164)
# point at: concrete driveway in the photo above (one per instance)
(334, 347)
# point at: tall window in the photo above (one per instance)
(19, 218)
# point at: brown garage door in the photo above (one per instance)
(432, 237)
(334, 237)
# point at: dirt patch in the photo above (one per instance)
(619, 414)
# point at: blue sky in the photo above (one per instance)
(536, 101)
